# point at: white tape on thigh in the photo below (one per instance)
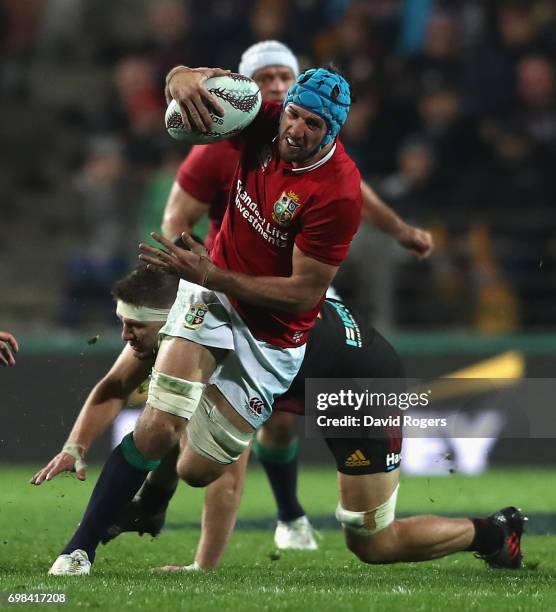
(371, 521)
(174, 395)
(211, 434)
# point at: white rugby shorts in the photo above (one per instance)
(253, 373)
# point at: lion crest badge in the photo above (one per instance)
(195, 316)
(285, 208)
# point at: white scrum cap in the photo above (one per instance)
(267, 53)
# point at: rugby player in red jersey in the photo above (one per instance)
(235, 337)
(202, 185)
(302, 165)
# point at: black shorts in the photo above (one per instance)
(342, 345)
(356, 456)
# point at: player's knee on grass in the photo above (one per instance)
(375, 549)
(370, 534)
(279, 431)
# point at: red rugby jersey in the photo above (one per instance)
(207, 174)
(273, 206)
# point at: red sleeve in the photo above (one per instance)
(199, 173)
(328, 229)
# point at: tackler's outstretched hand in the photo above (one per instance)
(417, 241)
(185, 86)
(8, 348)
(69, 459)
(193, 265)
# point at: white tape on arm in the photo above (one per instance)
(76, 451)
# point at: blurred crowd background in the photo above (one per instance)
(454, 126)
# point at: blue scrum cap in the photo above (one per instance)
(324, 93)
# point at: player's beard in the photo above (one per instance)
(298, 156)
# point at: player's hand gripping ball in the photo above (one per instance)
(239, 96)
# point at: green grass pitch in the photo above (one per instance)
(36, 521)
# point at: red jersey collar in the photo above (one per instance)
(289, 168)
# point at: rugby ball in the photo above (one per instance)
(241, 99)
